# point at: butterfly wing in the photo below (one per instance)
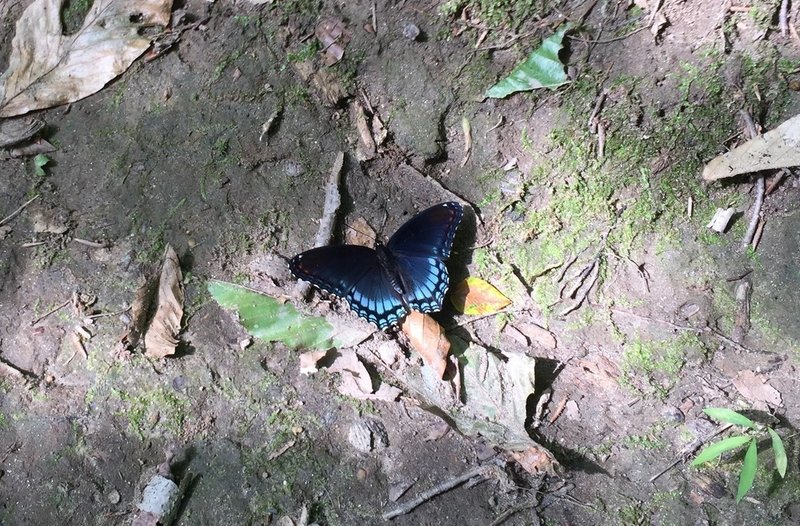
(429, 233)
(354, 274)
(419, 249)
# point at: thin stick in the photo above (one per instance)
(689, 451)
(90, 244)
(760, 188)
(435, 491)
(332, 201)
(783, 18)
(16, 212)
(51, 311)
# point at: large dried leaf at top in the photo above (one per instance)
(161, 337)
(47, 68)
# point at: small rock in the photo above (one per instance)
(361, 474)
(673, 414)
(179, 383)
(511, 185)
(113, 497)
(410, 30)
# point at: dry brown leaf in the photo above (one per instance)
(366, 146)
(778, 148)
(535, 460)
(47, 68)
(333, 36)
(360, 233)
(428, 339)
(755, 388)
(355, 378)
(474, 296)
(161, 337)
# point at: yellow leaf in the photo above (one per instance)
(428, 339)
(475, 296)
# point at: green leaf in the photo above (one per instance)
(748, 475)
(270, 320)
(39, 163)
(780, 453)
(543, 69)
(731, 417)
(718, 448)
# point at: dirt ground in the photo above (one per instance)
(221, 147)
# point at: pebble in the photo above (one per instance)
(410, 30)
(113, 497)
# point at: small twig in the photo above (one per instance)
(33, 244)
(783, 18)
(499, 123)
(609, 40)
(512, 511)
(593, 276)
(333, 199)
(51, 311)
(91, 244)
(688, 451)
(773, 184)
(106, 314)
(16, 212)
(435, 491)
(754, 219)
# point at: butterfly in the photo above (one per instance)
(384, 284)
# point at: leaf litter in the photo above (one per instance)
(161, 338)
(47, 68)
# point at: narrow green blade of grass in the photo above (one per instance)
(780, 453)
(748, 475)
(268, 319)
(727, 415)
(542, 69)
(718, 448)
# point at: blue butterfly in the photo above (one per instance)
(383, 285)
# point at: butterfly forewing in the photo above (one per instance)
(429, 233)
(354, 274)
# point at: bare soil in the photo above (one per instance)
(176, 151)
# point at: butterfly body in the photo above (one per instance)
(384, 284)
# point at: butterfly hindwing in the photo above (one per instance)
(429, 233)
(354, 274)
(426, 281)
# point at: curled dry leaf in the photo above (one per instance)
(428, 339)
(474, 296)
(355, 378)
(47, 68)
(161, 337)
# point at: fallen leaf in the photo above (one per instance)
(538, 334)
(328, 87)
(427, 338)
(535, 460)
(333, 37)
(355, 378)
(542, 69)
(778, 148)
(755, 388)
(47, 68)
(366, 146)
(15, 131)
(360, 233)
(160, 340)
(474, 296)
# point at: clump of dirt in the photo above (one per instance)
(589, 215)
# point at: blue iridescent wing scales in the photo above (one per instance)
(429, 233)
(419, 249)
(354, 274)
